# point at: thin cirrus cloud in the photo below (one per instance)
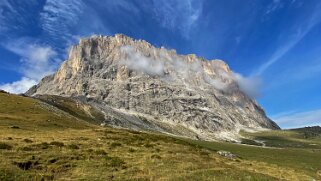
(5, 10)
(301, 31)
(298, 119)
(59, 16)
(178, 15)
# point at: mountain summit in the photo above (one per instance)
(141, 87)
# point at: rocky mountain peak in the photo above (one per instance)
(139, 86)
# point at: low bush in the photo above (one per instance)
(115, 144)
(155, 156)
(57, 143)
(73, 146)
(5, 146)
(101, 152)
(114, 162)
(27, 140)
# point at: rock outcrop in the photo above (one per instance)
(139, 86)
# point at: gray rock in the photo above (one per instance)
(141, 87)
(227, 154)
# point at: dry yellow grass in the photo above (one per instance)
(35, 149)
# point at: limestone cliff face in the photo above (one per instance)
(139, 86)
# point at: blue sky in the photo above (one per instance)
(275, 40)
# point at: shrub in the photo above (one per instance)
(28, 140)
(43, 145)
(90, 150)
(155, 156)
(148, 145)
(26, 148)
(114, 162)
(73, 146)
(14, 127)
(25, 165)
(115, 144)
(101, 152)
(5, 146)
(57, 143)
(131, 150)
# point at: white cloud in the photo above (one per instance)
(138, 62)
(251, 86)
(298, 119)
(20, 86)
(185, 71)
(37, 61)
(216, 83)
(177, 14)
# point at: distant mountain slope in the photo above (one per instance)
(309, 132)
(307, 137)
(142, 87)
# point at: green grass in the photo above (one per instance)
(287, 138)
(33, 115)
(79, 150)
(74, 107)
(307, 160)
(313, 132)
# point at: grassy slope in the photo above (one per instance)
(66, 147)
(73, 107)
(288, 138)
(31, 114)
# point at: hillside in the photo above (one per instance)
(58, 140)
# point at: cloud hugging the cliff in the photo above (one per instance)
(160, 66)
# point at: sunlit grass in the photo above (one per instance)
(38, 149)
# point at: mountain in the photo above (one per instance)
(141, 87)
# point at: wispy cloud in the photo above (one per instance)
(6, 9)
(20, 86)
(295, 119)
(169, 67)
(62, 20)
(298, 75)
(126, 5)
(251, 86)
(16, 16)
(37, 61)
(301, 31)
(178, 15)
(139, 62)
(274, 6)
(59, 16)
